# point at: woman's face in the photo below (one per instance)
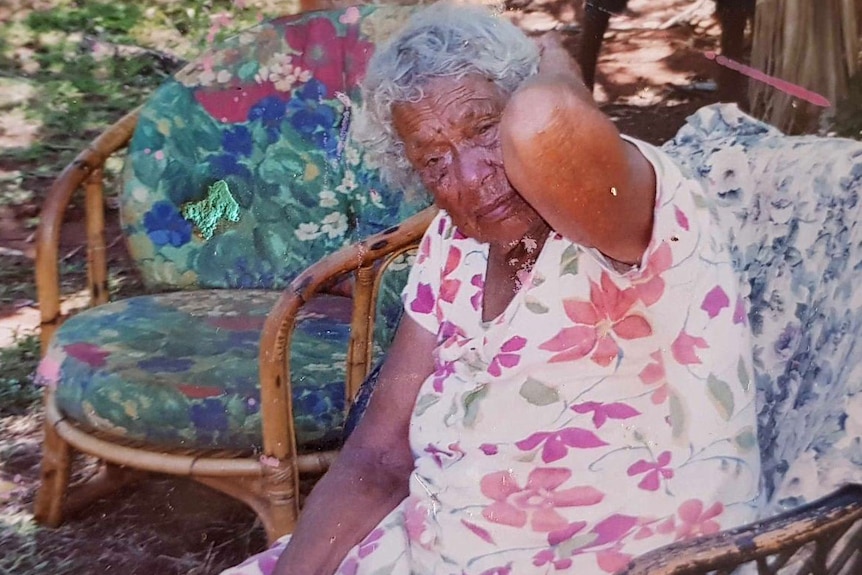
(451, 138)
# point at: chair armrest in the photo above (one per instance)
(86, 167)
(821, 523)
(279, 439)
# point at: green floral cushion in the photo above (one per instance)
(265, 117)
(180, 369)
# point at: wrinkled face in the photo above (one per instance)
(451, 138)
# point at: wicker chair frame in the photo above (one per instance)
(267, 482)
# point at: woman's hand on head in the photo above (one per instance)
(556, 64)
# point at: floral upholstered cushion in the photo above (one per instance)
(265, 115)
(181, 369)
(792, 209)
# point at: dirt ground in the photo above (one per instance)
(651, 75)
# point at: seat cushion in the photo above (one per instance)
(180, 370)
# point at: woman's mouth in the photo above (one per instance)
(498, 209)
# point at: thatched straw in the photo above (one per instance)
(812, 44)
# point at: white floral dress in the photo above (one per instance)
(601, 415)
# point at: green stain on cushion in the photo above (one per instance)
(217, 206)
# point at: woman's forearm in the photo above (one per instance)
(568, 161)
(348, 502)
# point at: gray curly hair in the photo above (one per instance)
(442, 40)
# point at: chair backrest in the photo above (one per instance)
(240, 173)
(791, 206)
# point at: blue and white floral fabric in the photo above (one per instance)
(791, 206)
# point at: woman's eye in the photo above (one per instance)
(483, 129)
(432, 162)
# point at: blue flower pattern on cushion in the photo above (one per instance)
(270, 111)
(166, 364)
(166, 226)
(225, 165)
(237, 140)
(209, 418)
(314, 119)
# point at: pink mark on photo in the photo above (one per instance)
(790, 88)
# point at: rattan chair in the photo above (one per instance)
(138, 383)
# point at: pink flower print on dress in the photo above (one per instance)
(654, 374)
(507, 356)
(684, 348)
(613, 529)
(370, 543)
(604, 411)
(681, 218)
(424, 300)
(449, 287)
(441, 374)
(654, 471)
(596, 323)
(695, 520)
(504, 570)
(424, 250)
(605, 543)
(715, 301)
(612, 560)
(476, 299)
(649, 285)
(548, 556)
(537, 502)
(481, 532)
(557, 443)
(416, 523)
(444, 457)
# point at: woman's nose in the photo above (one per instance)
(473, 167)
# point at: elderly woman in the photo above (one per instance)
(569, 386)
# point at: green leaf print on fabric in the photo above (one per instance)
(471, 401)
(281, 164)
(746, 439)
(535, 306)
(537, 393)
(721, 396)
(424, 403)
(678, 421)
(569, 261)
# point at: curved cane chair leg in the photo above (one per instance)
(55, 499)
(276, 512)
(54, 475)
(109, 479)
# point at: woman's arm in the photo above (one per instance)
(567, 159)
(370, 476)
